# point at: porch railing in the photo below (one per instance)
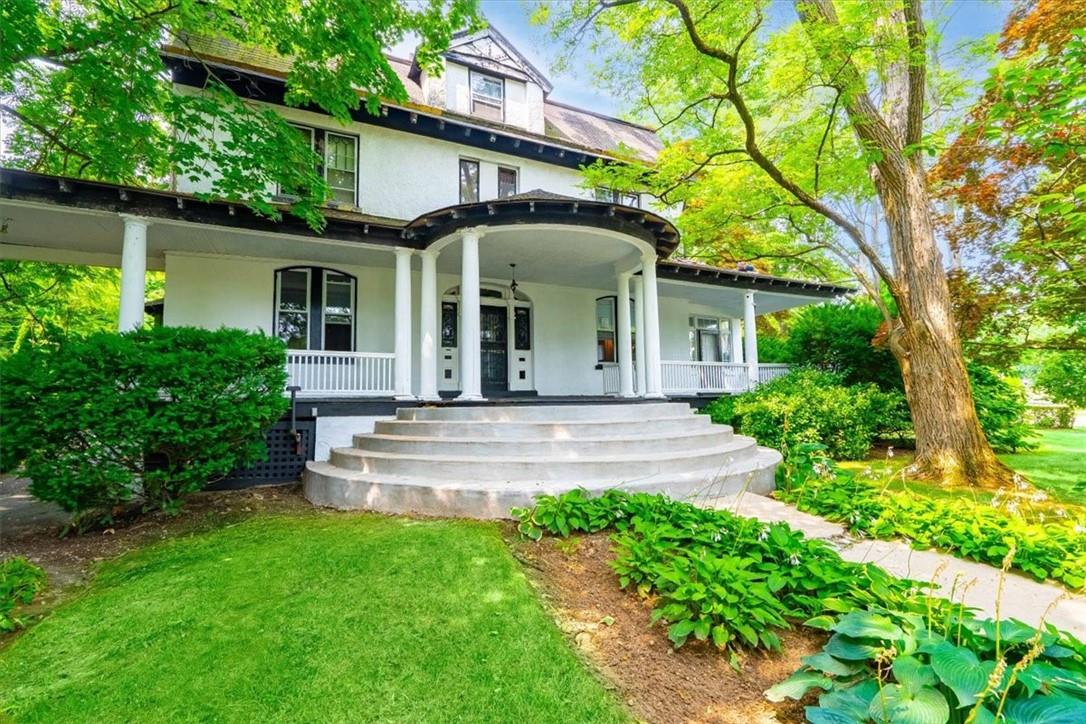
(769, 372)
(341, 374)
(703, 377)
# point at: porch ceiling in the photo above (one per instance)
(552, 254)
(45, 232)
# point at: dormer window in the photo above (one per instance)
(487, 97)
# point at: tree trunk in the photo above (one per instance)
(950, 445)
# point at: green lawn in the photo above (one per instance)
(1057, 466)
(305, 618)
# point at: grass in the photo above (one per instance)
(1057, 466)
(305, 618)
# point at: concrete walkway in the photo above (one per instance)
(1023, 598)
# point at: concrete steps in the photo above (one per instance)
(480, 461)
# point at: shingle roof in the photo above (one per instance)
(562, 123)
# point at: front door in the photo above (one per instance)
(494, 352)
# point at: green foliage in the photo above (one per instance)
(1001, 409)
(1063, 378)
(90, 96)
(1053, 549)
(811, 406)
(886, 665)
(716, 576)
(1053, 417)
(773, 349)
(839, 338)
(20, 581)
(154, 414)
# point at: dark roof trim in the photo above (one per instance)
(546, 209)
(21, 185)
(716, 276)
(430, 123)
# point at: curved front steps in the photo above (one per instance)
(481, 461)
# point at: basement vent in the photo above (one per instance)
(282, 465)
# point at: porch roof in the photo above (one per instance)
(697, 273)
(545, 207)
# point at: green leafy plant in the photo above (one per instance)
(716, 576)
(1049, 548)
(100, 421)
(1061, 378)
(884, 665)
(811, 406)
(1001, 408)
(1054, 417)
(20, 582)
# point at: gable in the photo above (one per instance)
(488, 50)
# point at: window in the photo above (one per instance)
(507, 182)
(522, 328)
(487, 96)
(341, 167)
(469, 181)
(449, 322)
(706, 340)
(605, 329)
(618, 197)
(315, 308)
(292, 310)
(337, 163)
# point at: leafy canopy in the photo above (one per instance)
(90, 95)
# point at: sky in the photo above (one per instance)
(968, 19)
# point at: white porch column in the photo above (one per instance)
(625, 349)
(750, 339)
(653, 381)
(428, 328)
(470, 372)
(639, 323)
(403, 324)
(736, 340)
(133, 273)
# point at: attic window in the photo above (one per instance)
(487, 97)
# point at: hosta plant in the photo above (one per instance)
(717, 576)
(882, 665)
(1052, 548)
(20, 582)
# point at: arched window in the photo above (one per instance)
(315, 308)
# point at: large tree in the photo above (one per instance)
(830, 109)
(85, 87)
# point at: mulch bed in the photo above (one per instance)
(612, 629)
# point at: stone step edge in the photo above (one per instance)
(600, 421)
(737, 443)
(673, 435)
(762, 458)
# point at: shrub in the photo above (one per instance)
(884, 665)
(838, 337)
(811, 406)
(1053, 549)
(716, 576)
(151, 415)
(1060, 417)
(20, 581)
(1001, 409)
(1063, 378)
(773, 350)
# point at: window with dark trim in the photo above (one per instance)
(315, 308)
(469, 181)
(487, 96)
(449, 323)
(337, 163)
(522, 328)
(507, 182)
(707, 339)
(605, 329)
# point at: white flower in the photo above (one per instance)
(1012, 506)
(794, 559)
(1060, 512)
(1080, 529)
(890, 452)
(763, 534)
(1038, 496)
(716, 537)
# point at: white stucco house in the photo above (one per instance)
(463, 257)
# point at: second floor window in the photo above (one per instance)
(341, 167)
(507, 182)
(487, 97)
(618, 197)
(469, 181)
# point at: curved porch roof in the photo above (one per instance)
(543, 207)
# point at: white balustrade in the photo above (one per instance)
(341, 374)
(683, 377)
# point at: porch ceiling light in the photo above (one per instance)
(513, 278)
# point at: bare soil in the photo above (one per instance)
(613, 630)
